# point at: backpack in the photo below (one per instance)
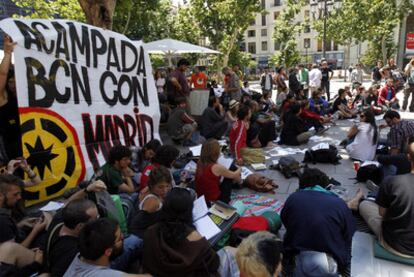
(245, 226)
(370, 172)
(288, 166)
(322, 156)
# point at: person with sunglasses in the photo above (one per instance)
(363, 138)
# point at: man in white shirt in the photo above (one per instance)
(315, 77)
(266, 81)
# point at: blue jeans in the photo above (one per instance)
(312, 263)
(132, 245)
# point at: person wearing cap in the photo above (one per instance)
(177, 85)
(213, 124)
(231, 114)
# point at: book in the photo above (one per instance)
(222, 210)
(203, 223)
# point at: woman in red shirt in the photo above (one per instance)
(209, 173)
(238, 133)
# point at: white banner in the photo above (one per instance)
(80, 90)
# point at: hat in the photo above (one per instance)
(233, 103)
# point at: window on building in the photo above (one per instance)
(328, 46)
(320, 45)
(264, 45)
(263, 20)
(335, 46)
(264, 32)
(251, 46)
(307, 14)
(263, 4)
(251, 33)
(306, 43)
(278, 3)
(253, 22)
(276, 15)
(277, 46)
(307, 29)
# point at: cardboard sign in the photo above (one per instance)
(81, 90)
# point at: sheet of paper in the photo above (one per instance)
(245, 172)
(320, 146)
(52, 206)
(206, 227)
(258, 166)
(226, 162)
(191, 167)
(196, 150)
(200, 208)
(377, 164)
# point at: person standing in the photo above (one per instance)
(294, 85)
(327, 74)
(177, 85)
(266, 81)
(315, 77)
(409, 86)
(232, 88)
(199, 79)
(304, 79)
(376, 73)
(357, 76)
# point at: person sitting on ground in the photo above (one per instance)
(231, 114)
(100, 242)
(212, 123)
(238, 133)
(289, 101)
(317, 103)
(143, 157)
(260, 254)
(115, 173)
(387, 96)
(359, 97)
(262, 127)
(180, 125)
(269, 104)
(390, 217)
(294, 130)
(165, 156)
(312, 119)
(62, 242)
(159, 184)
(173, 247)
(319, 227)
(209, 174)
(15, 255)
(371, 99)
(340, 106)
(363, 138)
(400, 132)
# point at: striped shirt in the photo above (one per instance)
(400, 133)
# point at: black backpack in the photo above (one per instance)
(288, 166)
(322, 156)
(370, 172)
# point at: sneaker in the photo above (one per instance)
(372, 186)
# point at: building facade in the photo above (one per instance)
(258, 39)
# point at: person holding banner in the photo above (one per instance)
(9, 115)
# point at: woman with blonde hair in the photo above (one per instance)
(209, 173)
(260, 255)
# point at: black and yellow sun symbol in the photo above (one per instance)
(51, 147)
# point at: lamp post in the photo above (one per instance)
(306, 46)
(321, 9)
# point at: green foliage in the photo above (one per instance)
(374, 52)
(286, 29)
(224, 21)
(68, 9)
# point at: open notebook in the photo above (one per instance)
(203, 223)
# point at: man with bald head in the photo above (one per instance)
(391, 217)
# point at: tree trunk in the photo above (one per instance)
(127, 23)
(99, 13)
(229, 48)
(384, 49)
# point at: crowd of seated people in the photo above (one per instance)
(82, 238)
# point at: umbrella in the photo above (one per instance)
(171, 47)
